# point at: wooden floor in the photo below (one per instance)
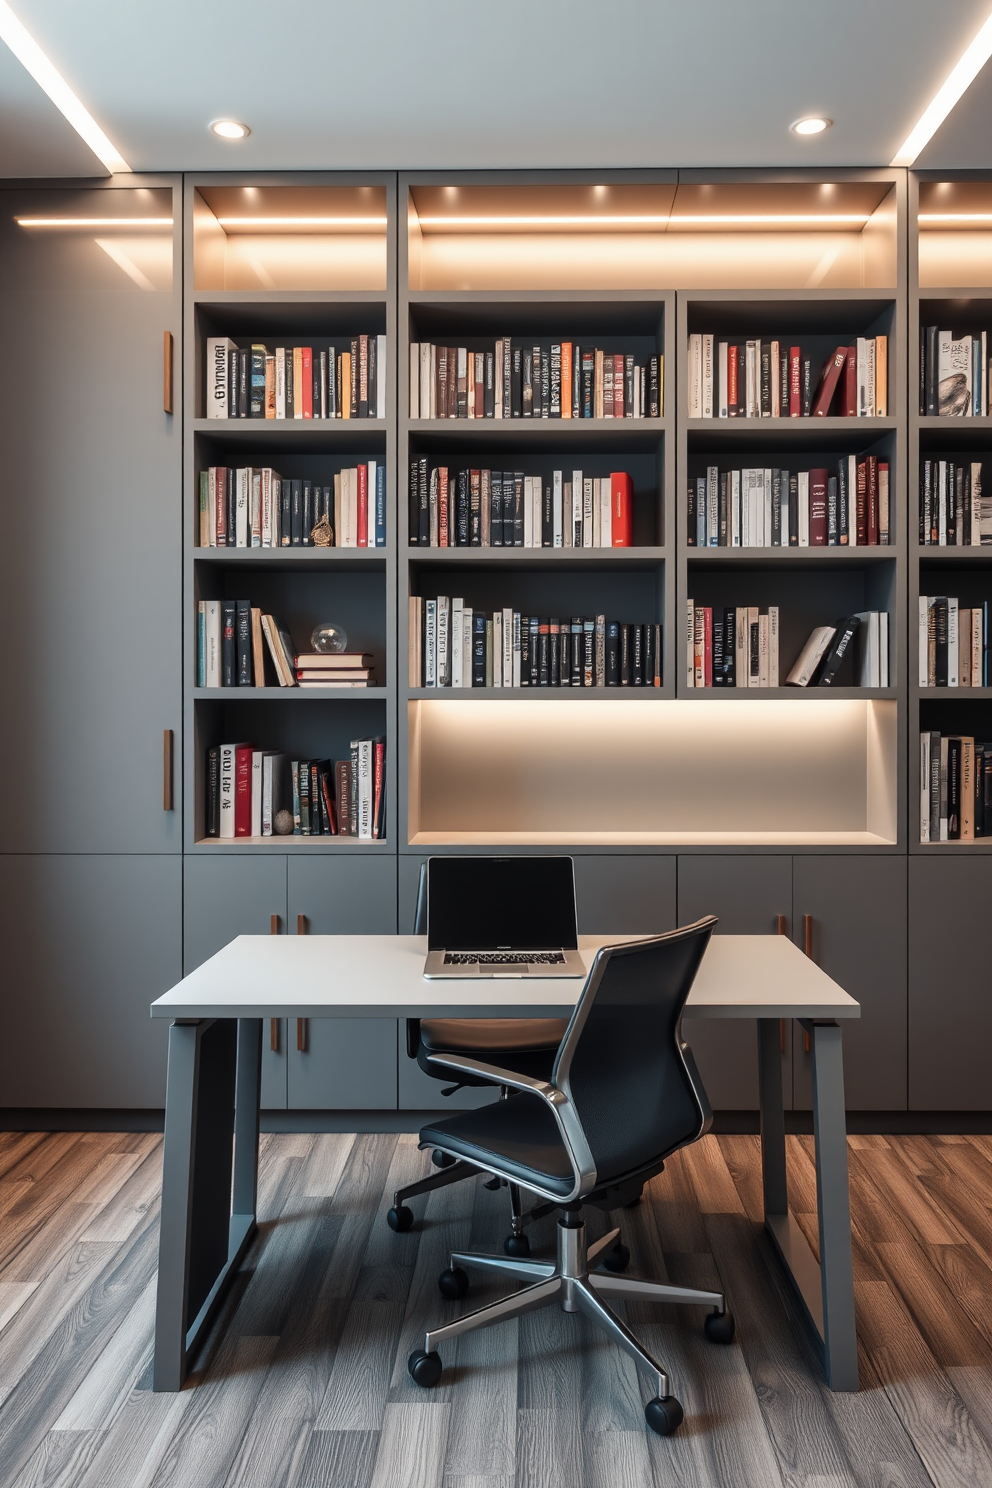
(304, 1384)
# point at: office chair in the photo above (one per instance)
(528, 1045)
(624, 1095)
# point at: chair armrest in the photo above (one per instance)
(565, 1114)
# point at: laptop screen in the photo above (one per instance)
(495, 904)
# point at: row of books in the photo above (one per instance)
(955, 788)
(953, 643)
(255, 507)
(558, 380)
(738, 646)
(296, 382)
(954, 374)
(508, 509)
(233, 638)
(262, 793)
(766, 378)
(769, 508)
(954, 510)
(452, 645)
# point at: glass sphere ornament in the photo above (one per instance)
(329, 639)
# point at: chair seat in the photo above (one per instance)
(526, 1045)
(520, 1135)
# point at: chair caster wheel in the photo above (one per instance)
(663, 1415)
(452, 1283)
(425, 1369)
(442, 1159)
(493, 1184)
(516, 1245)
(633, 1203)
(617, 1259)
(719, 1327)
(400, 1218)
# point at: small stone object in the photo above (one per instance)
(322, 535)
(283, 824)
(329, 638)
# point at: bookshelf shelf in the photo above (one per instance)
(527, 558)
(681, 840)
(538, 694)
(287, 694)
(294, 844)
(790, 434)
(346, 435)
(336, 560)
(784, 558)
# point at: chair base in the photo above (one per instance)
(400, 1217)
(569, 1282)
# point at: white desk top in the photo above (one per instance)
(381, 976)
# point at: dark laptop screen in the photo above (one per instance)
(492, 904)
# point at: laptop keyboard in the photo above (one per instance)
(504, 958)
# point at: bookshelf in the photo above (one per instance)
(950, 251)
(290, 261)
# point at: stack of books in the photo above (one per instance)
(953, 643)
(731, 647)
(317, 669)
(558, 379)
(768, 378)
(296, 382)
(254, 792)
(771, 508)
(955, 788)
(954, 374)
(954, 510)
(254, 507)
(507, 508)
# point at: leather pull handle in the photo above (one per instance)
(302, 928)
(302, 1034)
(168, 750)
(274, 1035)
(167, 363)
(273, 924)
(808, 948)
(780, 924)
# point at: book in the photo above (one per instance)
(810, 656)
(766, 378)
(217, 381)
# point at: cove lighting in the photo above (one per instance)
(302, 221)
(127, 222)
(551, 220)
(779, 217)
(702, 219)
(955, 217)
(46, 75)
(229, 129)
(962, 75)
(816, 124)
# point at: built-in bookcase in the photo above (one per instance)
(950, 257)
(289, 261)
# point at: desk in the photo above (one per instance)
(209, 1182)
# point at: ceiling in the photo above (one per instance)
(447, 84)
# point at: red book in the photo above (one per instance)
(618, 386)
(307, 388)
(795, 381)
(707, 647)
(732, 381)
(566, 380)
(849, 384)
(242, 790)
(220, 505)
(442, 506)
(622, 508)
(871, 500)
(829, 378)
(363, 506)
(862, 505)
(378, 776)
(818, 508)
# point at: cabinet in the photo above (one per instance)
(88, 942)
(950, 1012)
(859, 931)
(747, 894)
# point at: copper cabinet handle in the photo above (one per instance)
(302, 928)
(274, 923)
(168, 803)
(274, 1035)
(167, 360)
(808, 948)
(302, 1035)
(781, 930)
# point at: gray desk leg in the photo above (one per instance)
(833, 1204)
(772, 1117)
(246, 1104)
(201, 1241)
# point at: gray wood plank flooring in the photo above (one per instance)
(303, 1383)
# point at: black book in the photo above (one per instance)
(518, 510)
(754, 651)
(628, 386)
(954, 790)
(637, 655)
(843, 504)
(844, 633)
(543, 653)
(612, 654)
(303, 775)
(776, 523)
(372, 378)
(244, 381)
(256, 383)
(534, 649)
(290, 385)
(940, 630)
(807, 389)
(212, 792)
(424, 505)
(690, 513)
(496, 509)
(719, 678)
(923, 371)
(414, 504)
(332, 383)
(354, 414)
(286, 513)
(577, 652)
(931, 371)
(478, 649)
(489, 386)
(654, 389)
(543, 360)
(324, 405)
(242, 639)
(729, 647)
(548, 517)
(232, 506)
(833, 519)
(793, 510)
(783, 380)
(722, 525)
(765, 379)
(527, 385)
(232, 383)
(463, 501)
(516, 382)
(524, 650)
(296, 513)
(651, 648)
(588, 653)
(588, 358)
(966, 503)
(508, 503)
(324, 788)
(554, 381)
(554, 653)
(926, 501)
(308, 514)
(475, 508)
(228, 644)
(576, 382)
(327, 506)
(506, 372)
(624, 655)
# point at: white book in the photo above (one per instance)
(364, 787)
(952, 642)
(456, 642)
(467, 618)
(556, 500)
(281, 382)
(883, 648)
(742, 648)
(227, 788)
(266, 530)
(516, 648)
(763, 667)
(498, 381)
(695, 376)
(215, 391)
(586, 514)
(690, 644)
(976, 646)
(868, 651)
(712, 506)
(242, 490)
(776, 353)
(722, 381)
(414, 380)
(255, 513)
(804, 508)
(597, 512)
(272, 765)
(497, 648)
(507, 628)
(786, 530)
(925, 786)
(707, 399)
(735, 508)
(752, 399)
(380, 377)
(212, 640)
(529, 511)
(811, 655)
(606, 513)
(923, 641)
(567, 524)
(537, 521)
(201, 643)
(942, 503)
(257, 758)
(773, 629)
(943, 788)
(426, 380)
(430, 643)
(975, 536)
(870, 377)
(862, 376)
(577, 510)
(443, 620)
(766, 509)
(415, 642)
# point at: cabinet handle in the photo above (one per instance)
(274, 1035)
(167, 372)
(167, 753)
(302, 1035)
(273, 924)
(808, 948)
(302, 928)
(781, 930)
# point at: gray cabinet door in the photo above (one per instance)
(91, 559)
(227, 894)
(950, 1010)
(344, 1064)
(624, 895)
(88, 942)
(858, 909)
(747, 894)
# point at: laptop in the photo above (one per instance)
(501, 917)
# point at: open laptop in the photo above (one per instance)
(501, 917)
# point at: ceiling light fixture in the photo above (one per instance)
(815, 124)
(302, 221)
(46, 75)
(229, 129)
(961, 77)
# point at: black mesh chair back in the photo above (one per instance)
(622, 1063)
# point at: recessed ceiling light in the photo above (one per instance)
(229, 129)
(815, 124)
(961, 76)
